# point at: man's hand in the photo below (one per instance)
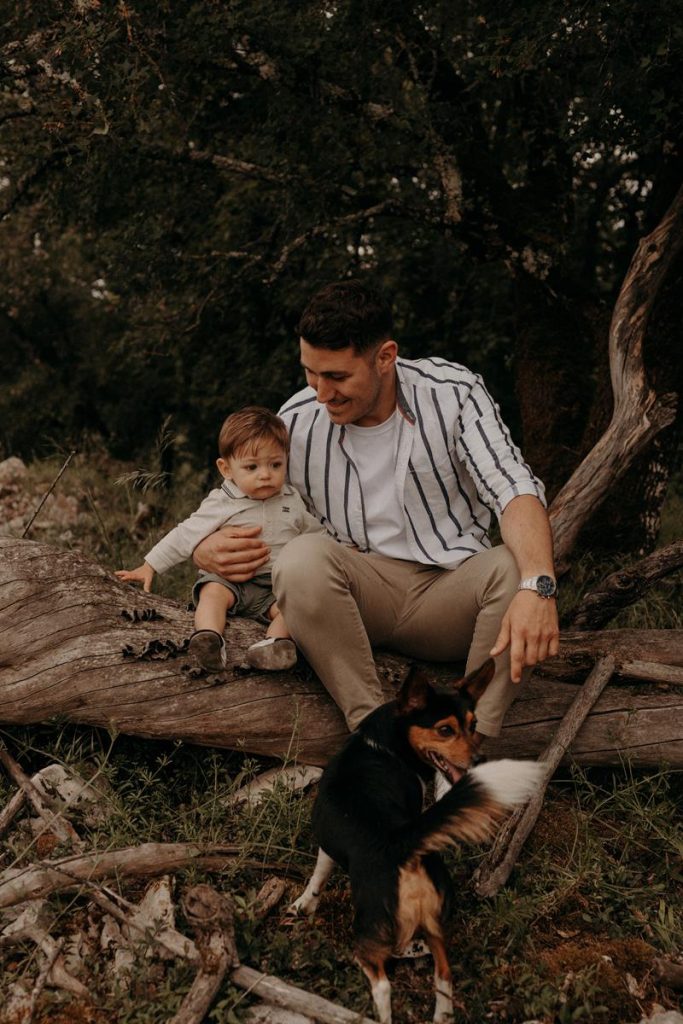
(530, 628)
(235, 552)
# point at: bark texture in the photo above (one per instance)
(78, 645)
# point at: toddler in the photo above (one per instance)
(253, 446)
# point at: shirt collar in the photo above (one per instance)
(401, 400)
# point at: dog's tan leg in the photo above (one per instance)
(310, 897)
(443, 981)
(374, 970)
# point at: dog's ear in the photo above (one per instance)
(414, 692)
(476, 682)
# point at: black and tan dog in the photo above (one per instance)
(368, 818)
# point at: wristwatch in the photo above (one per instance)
(545, 586)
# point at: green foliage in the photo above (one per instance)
(177, 180)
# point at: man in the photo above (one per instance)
(402, 461)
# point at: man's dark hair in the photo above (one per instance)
(346, 313)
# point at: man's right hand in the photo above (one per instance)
(234, 552)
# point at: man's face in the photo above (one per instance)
(354, 387)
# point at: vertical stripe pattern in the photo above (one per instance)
(459, 462)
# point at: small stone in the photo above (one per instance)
(12, 470)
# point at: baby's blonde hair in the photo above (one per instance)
(248, 428)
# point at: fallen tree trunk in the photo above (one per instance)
(78, 645)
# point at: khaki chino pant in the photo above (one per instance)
(339, 603)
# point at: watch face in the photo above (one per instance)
(545, 585)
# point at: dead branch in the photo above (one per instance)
(625, 586)
(211, 916)
(495, 870)
(293, 777)
(232, 164)
(41, 980)
(651, 672)
(269, 895)
(386, 206)
(279, 993)
(11, 809)
(30, 925)
(169, 939)
(148, 859)
(54, 821)
(262, 1013)
(639, 413)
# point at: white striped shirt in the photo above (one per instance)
(455, 463)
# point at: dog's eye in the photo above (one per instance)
(473, 724)
(445, 730)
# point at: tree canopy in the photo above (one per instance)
(176, 180)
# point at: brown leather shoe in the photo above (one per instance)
(274, 654)
(207, 648)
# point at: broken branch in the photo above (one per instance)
(147, 859)
(502, 857)
(625, 586)
(211, 917)
(63, 829)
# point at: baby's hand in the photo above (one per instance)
(143, 574)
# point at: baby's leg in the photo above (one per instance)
(207, 645)
(277, 652)
(278, 626)
(213, 605)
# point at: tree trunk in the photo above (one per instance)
(76, 643)
(639, 412)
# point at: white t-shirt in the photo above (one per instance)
(374, 455)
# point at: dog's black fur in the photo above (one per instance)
(368, 818)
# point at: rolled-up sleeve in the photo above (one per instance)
(494, 462)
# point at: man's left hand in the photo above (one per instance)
(530, 628)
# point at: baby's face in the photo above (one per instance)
(259, 472)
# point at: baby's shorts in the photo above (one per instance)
(254, 597)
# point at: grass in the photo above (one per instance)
(595, 897)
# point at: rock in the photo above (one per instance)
(12, 471)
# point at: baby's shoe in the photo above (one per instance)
(274, 654)
(207, 648)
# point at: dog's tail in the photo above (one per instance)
(473, 807)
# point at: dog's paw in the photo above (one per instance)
(305, 906)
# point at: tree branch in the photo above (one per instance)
(625, 586)
(639, 413)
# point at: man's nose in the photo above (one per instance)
(324, 389)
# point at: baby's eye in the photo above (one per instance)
(250, 468)
(276, 465)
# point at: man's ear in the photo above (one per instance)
(385, 356)
(414, 692)
(476, 682)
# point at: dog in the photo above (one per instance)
(368, 818)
